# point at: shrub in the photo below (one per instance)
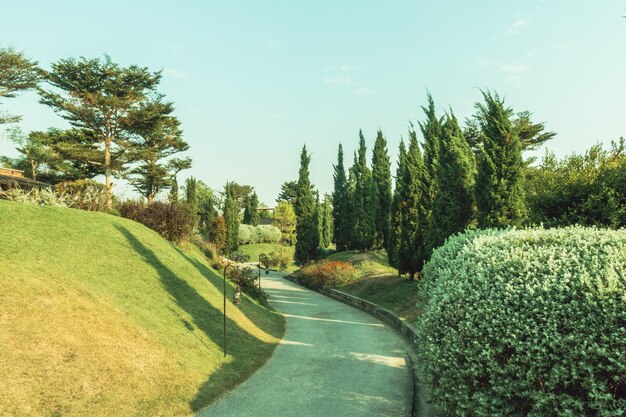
(173, 221)
(245, 233)
(218, 232)
(528, 322)
(84, 194)
(268, 234)
(327, 273)
(208, 249)
(247, 278)
(36, 196)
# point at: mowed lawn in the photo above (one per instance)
(100, 316)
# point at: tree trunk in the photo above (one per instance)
(33, 168)
(149, 198)
(107, 172)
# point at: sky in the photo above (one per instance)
(252, 81)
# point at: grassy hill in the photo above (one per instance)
(379, 283)
(100, 316)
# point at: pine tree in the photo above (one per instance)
(500, 177)
(453, 206)
(341, 230)
(393, 246)
(17, 73)
(408, 260)
(231, 217)
(381, 173)
(191, 195)
(319, 216)
(250, 213)
(307, 236)
(365, 202)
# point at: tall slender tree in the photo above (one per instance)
(453, 206)
(395, 230)
(250, 213)
(327, 222)
(408, 260)
(173, 195)
(365, 202)
(307, 235)
(381, 173)
(341, 228)
(231, 217)
(101, 98)
(500, 179)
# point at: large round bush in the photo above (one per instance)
(527, 323)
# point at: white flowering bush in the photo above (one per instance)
(36, 196)
(258, 234)
(526, 323)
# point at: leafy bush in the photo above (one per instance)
(249, 235)
(173, 221)
(248, 281)
(84, 194)
(208, 249)
(36, 196)
(327, 273)
(245, 233)
(526, 323)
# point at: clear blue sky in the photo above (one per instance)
(253, 81)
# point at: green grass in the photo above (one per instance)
(255, 249)
(379, 283)
(101, 316)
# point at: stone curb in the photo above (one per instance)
(420, 406)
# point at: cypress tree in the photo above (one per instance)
(381, 173)
(231, 217)
(341, 232)
(327, 222)
(393, 244)
(431, 130)
(319, 218)
(365, 202)
(173, 197)
(307, 235)
(250, 213)
(453, 206)
(349, 219)
(500, 177)
(408, 260)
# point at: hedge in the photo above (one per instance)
(526, 323)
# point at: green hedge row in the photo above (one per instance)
(526, 323)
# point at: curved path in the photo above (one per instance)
(334, 361)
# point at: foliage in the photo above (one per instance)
(218, 232)
(105, 102)
(208, 249)
(325, 273)
(285, 220)
(381, 174)
(408, 254)
(174, 221)
(453, 208)
(341, 230)
(288, 192)
(326, 226)
(364, 202)
(527, 322)
(307, 235)
(83, 194)
(250, 213)
(247, 279)
(258, 234)
(34, 196)
(231, 218)
(395, 231)
(17, 73)
(587, 189)
(500, 178)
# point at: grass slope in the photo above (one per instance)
(100, 316)
(379, 283)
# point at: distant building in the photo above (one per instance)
(11, 178)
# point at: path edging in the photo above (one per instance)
(420, 406)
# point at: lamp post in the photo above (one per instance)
(235, 273)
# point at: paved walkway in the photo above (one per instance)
(335, 361)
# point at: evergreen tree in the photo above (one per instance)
(17, 73)
(191, 194)
(288, 192)
(250, 213)
(408, 260)
(453, 206)
(341, 234)
(103, 99)
(327, 222)
(393, 246)
(381, 173)
(431, 130)
(173, 197)
(285, 220)
(307, 235)
(365, 201)
(231, 218)
(500, 177)
(349, 220)
(319, 215)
